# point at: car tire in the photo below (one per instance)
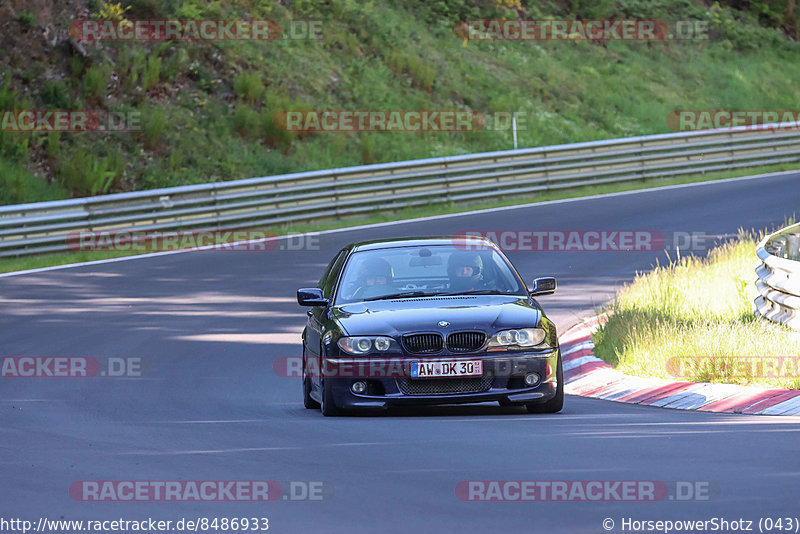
(555, 404)
(329, 408)
(308, 402)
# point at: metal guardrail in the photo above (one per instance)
(258, 202)
(778, 280)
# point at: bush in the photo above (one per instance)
(15, 181)
(94, 85)
(422, 73)
(154, 124)
(647, 9)
(273, 134)
(53, 145)
(347, 41)
(176, 64)
(111, 11)
(129, 65)
(152, 72)
(246, 121)
(54, 95)
(76, 66)
(175, 161)
(27, 19)
(86, 174)
(396, 60)
(248, 87)
(740, 31)
(369, 153)
(13, 145)
(196, 72)
(149, 9)
(17, 185)
(446, 13)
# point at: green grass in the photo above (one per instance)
(19, 184)
(213, 102)
(693, 320)
(47, 260)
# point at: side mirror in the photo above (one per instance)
(311, 296)
(543, 286)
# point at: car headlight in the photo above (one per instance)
(518, 338)
(362, 345)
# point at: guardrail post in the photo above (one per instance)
(335, 189)
(642, 161)
(88, 209)
(446, 178)
(546, 171)
(731, 152)
(217, 213)
(165, 202)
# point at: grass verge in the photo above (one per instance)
(693, 320)
(48, 260)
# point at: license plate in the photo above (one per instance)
(445, 369)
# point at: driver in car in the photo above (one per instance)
(465, 271)
(375, 276)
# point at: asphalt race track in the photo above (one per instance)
(209, 406)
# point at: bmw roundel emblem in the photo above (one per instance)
(444, 324)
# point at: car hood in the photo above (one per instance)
(473, 312)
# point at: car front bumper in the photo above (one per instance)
(502, 380)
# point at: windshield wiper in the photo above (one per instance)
(404, 294)
(478, 292)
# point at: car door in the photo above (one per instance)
(319, 317)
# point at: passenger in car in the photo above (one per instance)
(376, 276)
(465, 270)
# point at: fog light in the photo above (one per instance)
(361, 386)
(531, 379)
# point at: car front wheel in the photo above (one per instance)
(329, 408)
(308, 402)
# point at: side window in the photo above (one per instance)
(327, 271)
(332, 274)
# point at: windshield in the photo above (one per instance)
(425, 270)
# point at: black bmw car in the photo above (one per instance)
(438, 320)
